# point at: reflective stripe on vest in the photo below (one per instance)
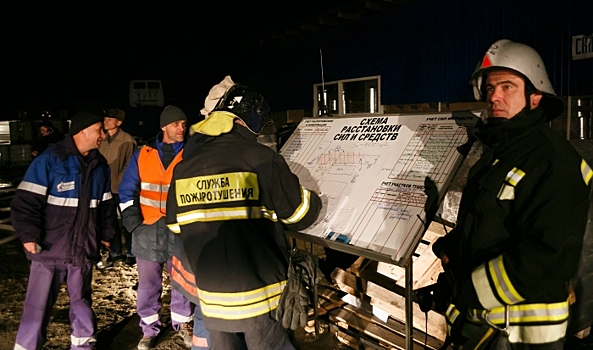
(241, 305)
(183, 277)
(154, 185)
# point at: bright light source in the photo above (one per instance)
(372, 100)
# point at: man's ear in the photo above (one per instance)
(119, 123)
(534, 99)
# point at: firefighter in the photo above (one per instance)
(143, 195)
(230, 200)
(522, 214)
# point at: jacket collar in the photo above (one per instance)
(497, 131)
(67, 148)
(157, 142)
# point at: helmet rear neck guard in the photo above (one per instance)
(506, 54)
(248, 105)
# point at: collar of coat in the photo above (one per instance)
(67, 148)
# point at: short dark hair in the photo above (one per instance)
(46, 124)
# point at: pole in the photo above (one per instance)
(409, 306)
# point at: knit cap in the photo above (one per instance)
(171, 114)
(83, 120)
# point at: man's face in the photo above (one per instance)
(110, 123)
(505, 94)
(94, 135)
(44, 131)
(174, 132)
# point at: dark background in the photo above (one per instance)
(59, 57)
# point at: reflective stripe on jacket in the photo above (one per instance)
(154, 183)
(231, 199)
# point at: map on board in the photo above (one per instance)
(372, 173)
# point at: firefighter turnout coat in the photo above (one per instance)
(519, 232)
(230, 200)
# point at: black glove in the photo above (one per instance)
(303, 274)
(293, 308)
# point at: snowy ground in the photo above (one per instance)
(114, 297)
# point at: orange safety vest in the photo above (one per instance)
(154, 183)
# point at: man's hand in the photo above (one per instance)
(106, 243)
(444, 259)
(31, 247)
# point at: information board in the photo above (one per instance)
(373, 174)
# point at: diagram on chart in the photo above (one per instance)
(374, 174)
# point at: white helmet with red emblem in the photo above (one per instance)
(520, 58)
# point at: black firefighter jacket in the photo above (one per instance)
(520, 228)
(230, 200)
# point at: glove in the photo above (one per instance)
(293, 308)
(303, 273)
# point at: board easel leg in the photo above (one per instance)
(409, 306)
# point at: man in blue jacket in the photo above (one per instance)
(143, 195)
(62, 211)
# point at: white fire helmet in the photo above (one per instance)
(519, 57)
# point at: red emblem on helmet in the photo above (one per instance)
(486, 62)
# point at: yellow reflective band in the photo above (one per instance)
(174, 228)
(504, 288)
(531, 313)
(495, 162)
(241, 298)
(302, 209)
(451, 314)
(485, 337)
(506, 193)
(222, 214)
(483, 290)
(514, 176)
(586, 171)
(219, 188)
(240, 312)
(241, 305)
(537, 334)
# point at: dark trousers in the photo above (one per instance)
(201, 338)
(42, 292)
(116, 244)
(266, 334)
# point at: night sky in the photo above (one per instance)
(65, 58)
(56, 57)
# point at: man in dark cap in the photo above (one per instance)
(117, 148)
(62, 212)
(49, 135)
(143, 195)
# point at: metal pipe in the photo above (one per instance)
(409, 306)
